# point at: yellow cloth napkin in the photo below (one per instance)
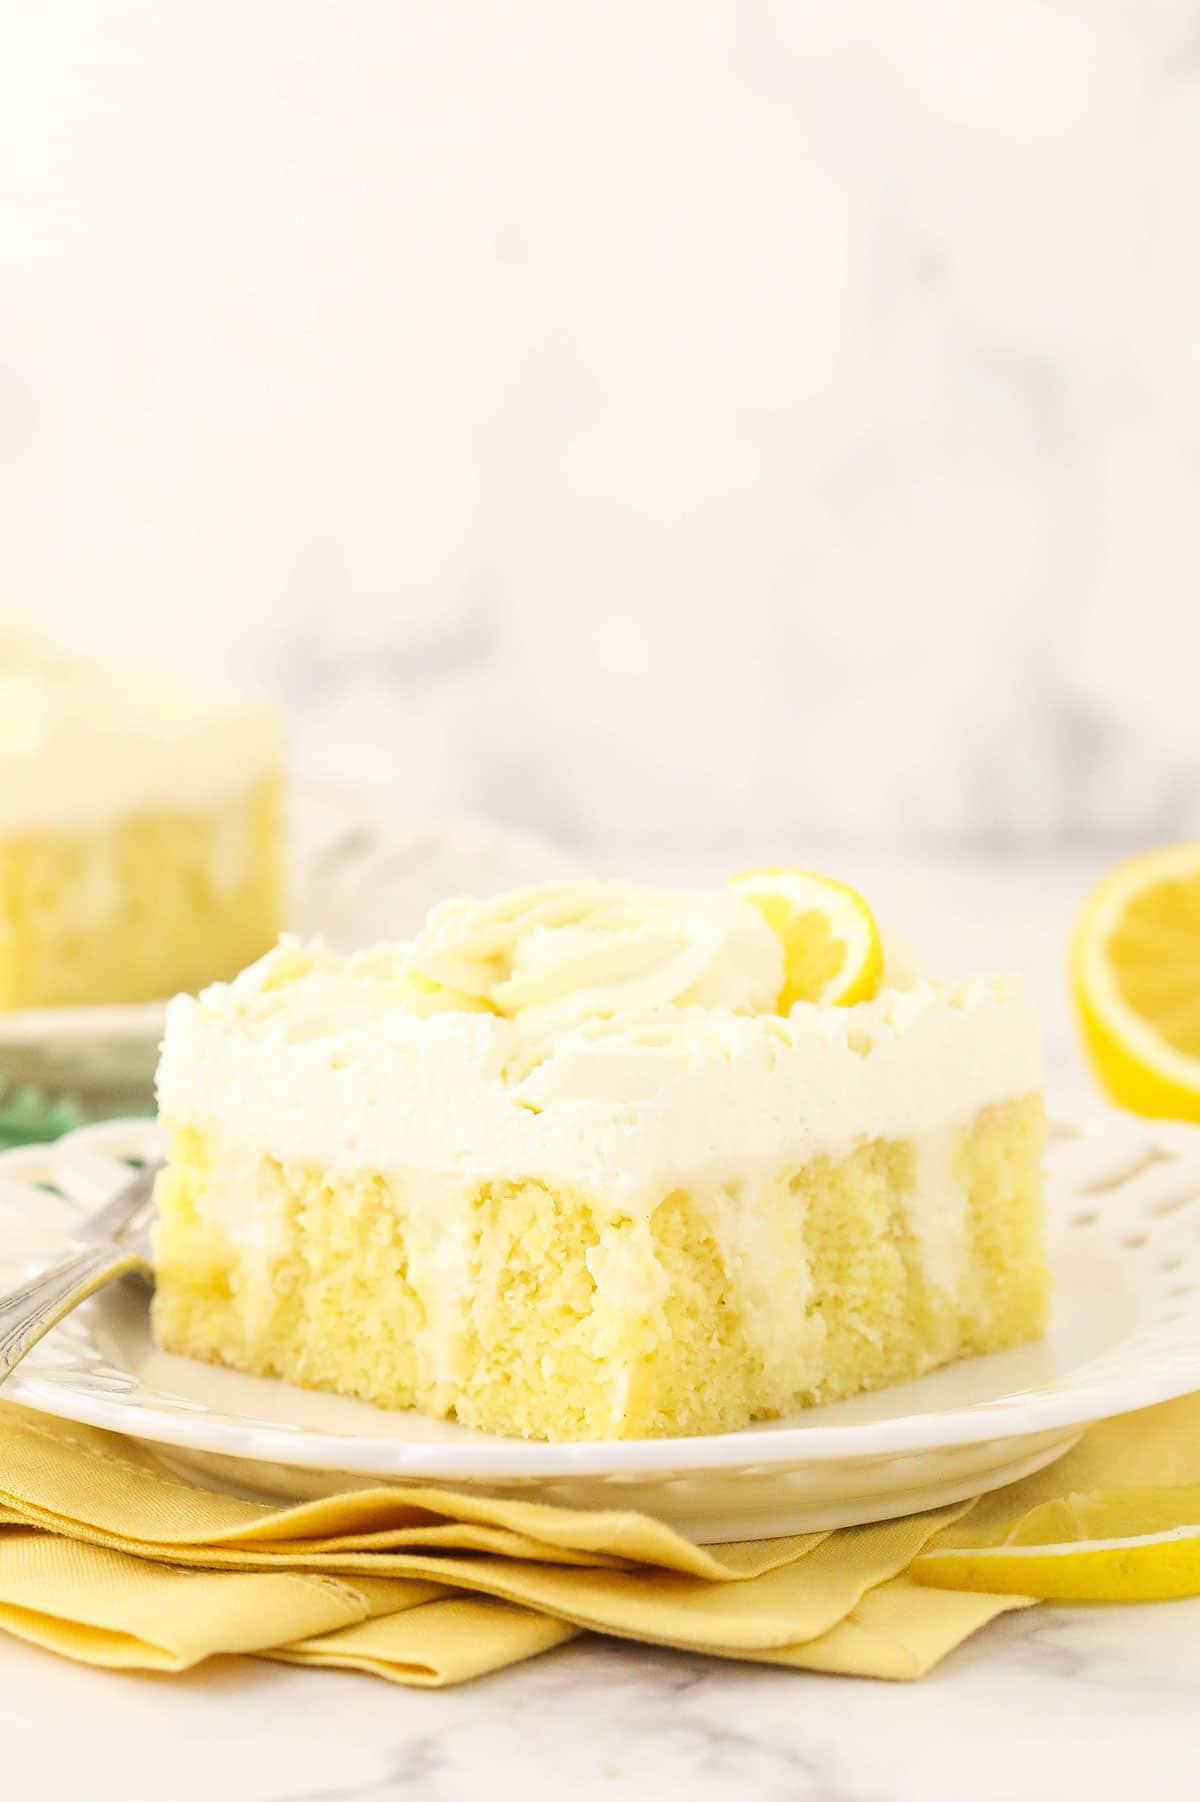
(108, 1557)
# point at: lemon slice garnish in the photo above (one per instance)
(1135, 972)
(831, 947)
(1101, 1548)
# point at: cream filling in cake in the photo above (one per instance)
(594, 1070)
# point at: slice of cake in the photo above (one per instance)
(140, 834)
(560, 1169)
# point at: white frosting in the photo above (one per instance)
(635, 1052)
(82, 744)
(576, 952)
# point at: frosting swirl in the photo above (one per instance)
(549, 957)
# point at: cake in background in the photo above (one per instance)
(595, 1161)
(140, 829)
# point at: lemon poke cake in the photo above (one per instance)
(583, 1162)
(140, 835)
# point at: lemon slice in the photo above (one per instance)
(1094, 1560)
(1135, 973)
(831, 947)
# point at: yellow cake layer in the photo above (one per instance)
(530, 1311)
(150, 905)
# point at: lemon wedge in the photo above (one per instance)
(831, 947)
(1135, 974)
(1084, 1549)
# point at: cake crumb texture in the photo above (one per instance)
(137, 908)
(526, 1308)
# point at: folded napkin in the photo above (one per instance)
(108, 1557)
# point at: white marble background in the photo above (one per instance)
(648, 419)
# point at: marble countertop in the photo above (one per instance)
(1047, 1705)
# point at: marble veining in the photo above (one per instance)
(1054, 1705)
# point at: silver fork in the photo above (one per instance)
(109, 1243)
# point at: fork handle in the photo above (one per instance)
(27, 1313)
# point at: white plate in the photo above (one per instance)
(357, 874)
(1125, 1237)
